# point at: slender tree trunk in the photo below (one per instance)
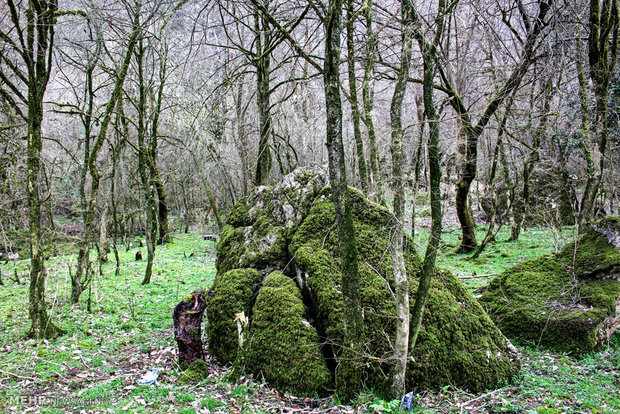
(37, 56)
(602, 56)
(263, 98)
(401, 285)
(429, 53)
(349, 372)
(144, 161)
(377, 191)
(417, 162)
(162, 201)
(41, 325)
(355, 112)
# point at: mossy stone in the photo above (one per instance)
(567, 302)
(233, 292)
(283, 347)
(260, 225)
(195, 372)
(458, 345)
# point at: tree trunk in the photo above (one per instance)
(465, 214)
(187, 322)
(41, 325)
(349, 371)
(144, 170)
(401, 285)
(377, 190)
(429, 54)
(355, 112)
(263, 98)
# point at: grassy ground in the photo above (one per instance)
(94, 367)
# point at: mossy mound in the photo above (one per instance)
(458, 344)
(233, 292)
(568, 302)
(195, 372)
(283, 346)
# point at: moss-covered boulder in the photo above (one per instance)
(260, 225)
(233, 292)
(458, 344)
(283, 345)
(568, 302)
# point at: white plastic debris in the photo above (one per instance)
(149, 378)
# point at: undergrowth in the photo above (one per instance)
(95, 366)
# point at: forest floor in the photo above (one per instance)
(94, 367)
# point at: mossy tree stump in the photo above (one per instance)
(187, 319)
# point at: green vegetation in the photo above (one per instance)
(561, 301)
(283, 345)
(458, 343)
(129, 333)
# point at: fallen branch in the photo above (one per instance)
(17, 376)
(478, 276)
(466, 403)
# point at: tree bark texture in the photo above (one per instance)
(401, 285)
(349, 371)
(353, 100)
(377, 184)
(429, 54)
(263, 97)
(187, 322)
(37, 55)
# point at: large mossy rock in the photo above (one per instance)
(458, 344)
(236, 290)
(260, 226)
(283, 346)
(568, 302)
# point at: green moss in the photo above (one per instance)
(229, 248)
(592, 252)
(196, 371)
(239, 215)
(260, 226)
(558, 301)
(283, 348)
(458, 344)
(233, 292)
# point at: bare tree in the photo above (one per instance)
(602, 57)
(25, 67)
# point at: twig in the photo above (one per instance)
(17, 376)
(478, 276)
(84, 362)
(466, 403)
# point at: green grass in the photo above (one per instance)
(497, 256)
(129, 332)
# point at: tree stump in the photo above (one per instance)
(187, 319)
